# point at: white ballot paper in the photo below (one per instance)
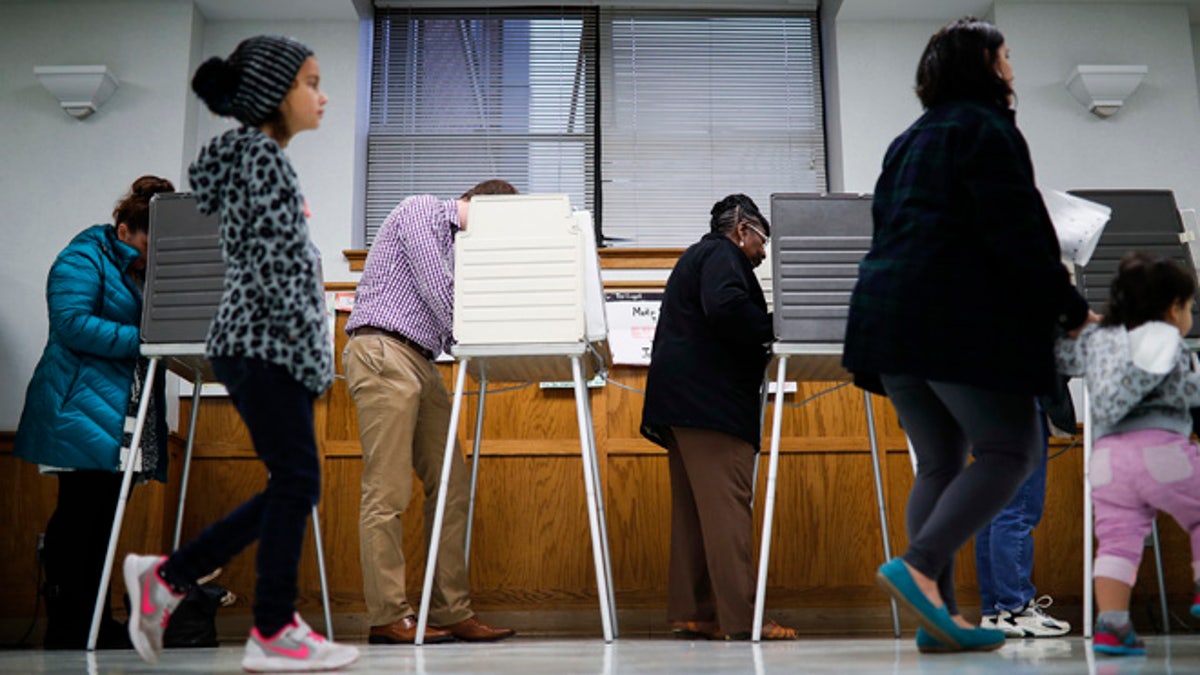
(1078, 223)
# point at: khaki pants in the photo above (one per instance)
(711, 574)
(403, 415)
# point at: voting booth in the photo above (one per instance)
(1142, 220)
(817, 243)
(185, 275)
(1148, 221)
(528, 306)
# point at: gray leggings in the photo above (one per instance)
(951, 501)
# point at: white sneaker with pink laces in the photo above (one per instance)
(296, 647)
(151, 602)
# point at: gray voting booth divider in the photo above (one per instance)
(1142, 220)
(818, 240)
(184, 281)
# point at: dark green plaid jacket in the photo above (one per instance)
(964, 281)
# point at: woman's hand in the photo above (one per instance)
(1092, 317)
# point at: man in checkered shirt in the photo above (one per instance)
(403, 317)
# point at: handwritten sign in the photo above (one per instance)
(632, 318)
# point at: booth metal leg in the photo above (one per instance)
(1162, 583)
(1088, 525)
(764, 555)
(135, 451)
(594, 514)
(440, 512)
(475, 460)
(187, 460)
(883, 520)
(316, 521)
(595, 453)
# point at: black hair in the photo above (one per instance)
(733, 209)
(959, 63)
(1146, 286)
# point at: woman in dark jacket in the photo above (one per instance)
(702, 405)
(82, 390)
(954, 313)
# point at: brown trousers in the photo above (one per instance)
(403, 415)
(711, 569)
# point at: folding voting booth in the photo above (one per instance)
(184, 281)
(528, 306)
(1142, 220)
(817, 242)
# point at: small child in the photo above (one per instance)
(1142, 381)
(269, 346)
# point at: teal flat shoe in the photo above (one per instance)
(927, 644)
(893, 577)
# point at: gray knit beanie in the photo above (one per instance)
(253, 81)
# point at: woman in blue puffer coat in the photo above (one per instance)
(74, 420)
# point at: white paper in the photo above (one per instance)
(1078, 223)
(632, 320)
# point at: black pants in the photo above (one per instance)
(278, 411)
(951, 501)
(75, 544)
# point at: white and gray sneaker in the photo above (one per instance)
(151, 602)
(1002, 622)
(295, 648)
(1031, 621)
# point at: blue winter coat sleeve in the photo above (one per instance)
(74, 296)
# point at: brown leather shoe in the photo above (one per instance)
(404, 632)
(474, 630)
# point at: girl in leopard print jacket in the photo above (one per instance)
(268, 344)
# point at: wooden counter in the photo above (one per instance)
(531, 550)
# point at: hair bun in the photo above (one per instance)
(216, 82)
(147, 186)
(724, 205)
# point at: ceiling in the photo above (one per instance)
(265, 10)
(324, 10)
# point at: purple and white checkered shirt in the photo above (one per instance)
(407, 284)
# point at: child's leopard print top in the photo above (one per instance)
(273, 305)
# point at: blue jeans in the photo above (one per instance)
(278, 411)
(1004, 548)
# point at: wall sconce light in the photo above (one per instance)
(1103, 89)
(79, 89)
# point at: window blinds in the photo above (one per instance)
(696, 107)
(460, 97)
(688, 106)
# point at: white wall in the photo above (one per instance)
(324, 158)
(1153, 142)
(1196, 52)
(877, 66)
(61, 175)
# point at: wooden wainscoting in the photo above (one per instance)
(531, 553)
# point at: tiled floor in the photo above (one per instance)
(534, 656)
